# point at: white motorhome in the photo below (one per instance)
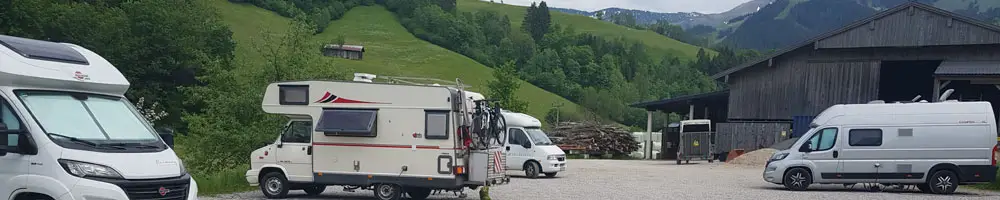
(69, 133)
(933, 146)
(393, 139)
(529, 149)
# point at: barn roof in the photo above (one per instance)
(345, 47)
(680, 104)
(968, 68)
(859, 23)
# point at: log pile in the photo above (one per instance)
(595, 138)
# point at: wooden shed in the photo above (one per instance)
(895, 55)
(353, 52)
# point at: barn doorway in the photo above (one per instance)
(904, 80)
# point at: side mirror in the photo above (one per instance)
(3, 127)
(168, 136)
(526, 145)
(806, 147)
(3, 139)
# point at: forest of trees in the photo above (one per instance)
(602, 74)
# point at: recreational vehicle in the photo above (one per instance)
(394, 139)
(68, 132)
(529, 149)
(933, 146)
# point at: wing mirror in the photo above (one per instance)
(3, 139)
(806, 147)
(167, 135)
(526, 145)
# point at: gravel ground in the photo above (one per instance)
(623, 179)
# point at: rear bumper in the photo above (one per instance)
(978, 173)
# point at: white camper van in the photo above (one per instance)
(529, 148)
(69, 133)
(934, 146)
(393, 139)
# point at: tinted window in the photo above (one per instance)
(511, 139)
(696, 128)
(298, 132)
(293, 94)
(12, 123)
(339, 122)
(43, 50)
(865, 137)
(436, 125)
(517, 137)
(824, 140)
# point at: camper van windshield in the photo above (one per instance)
(96, 121)
(538, 136)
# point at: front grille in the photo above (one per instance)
(561, 159)
(150, 189)
(173, 191)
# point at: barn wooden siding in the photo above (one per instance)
(749, 136)
(911, 28)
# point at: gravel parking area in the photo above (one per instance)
(624, 179)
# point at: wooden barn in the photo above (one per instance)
(900, 53)
(353, 52)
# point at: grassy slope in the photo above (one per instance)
(390, 50)
(659, 45)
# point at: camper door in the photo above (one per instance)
(294, 151)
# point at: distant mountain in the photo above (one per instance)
(684, 19)
(785, 22)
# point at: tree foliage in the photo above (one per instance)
(537, 21)
(503, 86)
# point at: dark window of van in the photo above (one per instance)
(436, 125)
(347, 122)
(865, 137)
(297, 132)
(11, 126)
(293, 94)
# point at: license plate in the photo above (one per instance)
(563, 168)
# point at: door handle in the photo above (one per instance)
(836, 154)
(508, 148)
(309, 150)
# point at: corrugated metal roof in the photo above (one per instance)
(965, 68)
(856, 24)
(346, 47)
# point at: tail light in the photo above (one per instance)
(995, 148)
(459, 170)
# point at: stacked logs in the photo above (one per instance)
(595, 138)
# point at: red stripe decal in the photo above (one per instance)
(381, 146)
(327, 95)
(343, 100)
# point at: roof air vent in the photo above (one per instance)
(876, 102)
(363, 77)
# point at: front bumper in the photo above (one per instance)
(774, 173)
(252, 177)
(180, 188)
(554, 166)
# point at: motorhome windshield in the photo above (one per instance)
(538, 136)
(90, 122)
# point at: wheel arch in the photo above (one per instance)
(944, 166)
(264, 170)
(24, 195)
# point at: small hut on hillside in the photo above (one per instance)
(353, 52)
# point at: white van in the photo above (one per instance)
(69, 133)
(934, 146)
(529, 148)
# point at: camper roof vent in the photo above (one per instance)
(876, 102)
(363, 77)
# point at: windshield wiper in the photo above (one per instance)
(136, 145)
(81, 141)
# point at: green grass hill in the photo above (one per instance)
(390, 50)
(657, 44)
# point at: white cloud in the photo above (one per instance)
(702, 6)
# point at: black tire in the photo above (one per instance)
(33, 197)
(418, 193)
(388, 192)
(551, 174)
(710, 160)
(314, 190)
(942, 182)
(797, 179)
(687, 161)
(532, 169)
(678, 161)
(274, 185)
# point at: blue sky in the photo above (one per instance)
(702, 6)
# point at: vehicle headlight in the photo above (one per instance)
(83, 170)
(181, 165)
(779, 156)
(553, 157)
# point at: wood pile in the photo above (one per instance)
(595, 138)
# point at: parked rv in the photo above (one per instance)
(69, 132)
(933, 146)
(529, 149)
(393, 139)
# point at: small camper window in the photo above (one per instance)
(865, 137)
(348, 122)
(293, 94)
(436, 124)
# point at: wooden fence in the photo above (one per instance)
(749, 136)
